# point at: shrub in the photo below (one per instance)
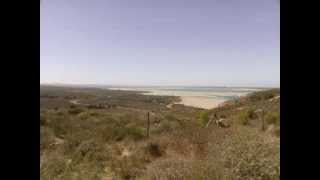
(165, 126)
(118, 133)
(72, 106)
(273, 118)
(43, 120)
(129, 167)
(251, 114)
(170, 117)
(173, 168)
(46, 137)
(94, 114)
(136, 133)
(248, 154)
(204, 117)
(277, 131)
(75, 111)
(246, 116)
(154, 149)
(54, 167)
(84, 115)
(169, 169)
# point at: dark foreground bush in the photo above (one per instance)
(154, 149)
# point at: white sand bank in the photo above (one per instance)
(200, 99)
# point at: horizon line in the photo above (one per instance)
(143, 85)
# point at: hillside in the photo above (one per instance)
(89, 133)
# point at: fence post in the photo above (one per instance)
(148, 125)
(263, 123)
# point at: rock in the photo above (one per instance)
(221, 123)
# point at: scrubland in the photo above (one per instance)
(103, 136)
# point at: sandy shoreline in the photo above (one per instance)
(200, 102)
(199, 99)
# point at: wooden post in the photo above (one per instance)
(263, 124)
(148, 125)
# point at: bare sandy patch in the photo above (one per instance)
(200, 102)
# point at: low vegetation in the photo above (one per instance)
(103, 136)
(204, 117)
(273, 118)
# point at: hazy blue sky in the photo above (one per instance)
(161, 42)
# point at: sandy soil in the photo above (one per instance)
(195, 99)
(200, 102)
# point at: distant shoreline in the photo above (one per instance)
(194, 96)
(205, 99)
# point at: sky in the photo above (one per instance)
(160, 42)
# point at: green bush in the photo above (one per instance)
(246, 116)
(85, 115)
(136, 133)
(118, 133)
(204, 117)
(273, 118)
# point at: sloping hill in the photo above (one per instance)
(109, 142)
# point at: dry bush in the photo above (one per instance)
(181, 169)
(53, 167)
(277, 131)
(165, 126)
(248, 154)
(46, 137)
(128, 166)
(166, 169)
